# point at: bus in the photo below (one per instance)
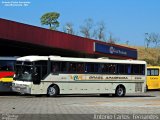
(6, 73)
(54, 75)
(153, 77)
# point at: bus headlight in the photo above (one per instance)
(13, 84)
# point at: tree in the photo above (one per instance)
(112, 39)
(86, 28)
(152, 38)
(101, 31)
(155, 38)
(147, 39)
(127, 42)
(68, 28)
(51, 20)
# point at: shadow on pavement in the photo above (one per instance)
(150, 94)
(8, 94)
(105, 96)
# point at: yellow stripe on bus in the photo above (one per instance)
(6, 79)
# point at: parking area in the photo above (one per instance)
(147, 103)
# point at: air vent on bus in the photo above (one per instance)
(138, 87)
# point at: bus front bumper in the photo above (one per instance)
(5, 86)
(23, 89)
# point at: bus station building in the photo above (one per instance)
(19, 39)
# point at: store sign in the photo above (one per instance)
(115, 50)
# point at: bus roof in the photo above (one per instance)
(32, 58)
(153, 67)
(71, 59)
(9, 58)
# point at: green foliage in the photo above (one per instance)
(51, 20)
(158, 61)
(150, 62)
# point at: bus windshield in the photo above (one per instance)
(6, 65)
(24, 72)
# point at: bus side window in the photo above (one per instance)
(128, 69)
(107, 68)
(87, 68)
(102, 68)
(124, 69)
(153, 72)
(112, 69)
(55, 67)
(63, 67)
(72, 67)
(92, 68)
(148, 72)
(156, 72)
(135, 69)
(121, 69)
(142, 69)
(80, 67)
(37, 72)
(139, 69)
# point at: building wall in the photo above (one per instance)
(27, 34)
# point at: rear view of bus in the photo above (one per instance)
(153, 77)
(6, 73)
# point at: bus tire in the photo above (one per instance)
(147, 88)
(120, 91)
(52, 91)
(104, 95)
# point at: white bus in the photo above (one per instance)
(53, 75)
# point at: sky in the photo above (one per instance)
(127, 20)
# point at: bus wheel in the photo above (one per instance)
(146, 87)
(120, 91)
(52, 91)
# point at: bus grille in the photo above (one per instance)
(138, 87)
